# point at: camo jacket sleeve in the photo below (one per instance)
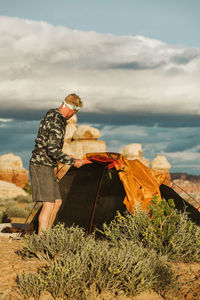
(55, 143)
(54, 147)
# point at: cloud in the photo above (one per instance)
(134, 89)
(17, 136)
(186, 161)
(3, 120)
(135, 75)
(141, 118)
(134, 65)
(154, 139)
(186, 56)
(184, 157)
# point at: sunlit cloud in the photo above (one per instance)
(40, 63)
(5, 120)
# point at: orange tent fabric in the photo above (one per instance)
(141, 184)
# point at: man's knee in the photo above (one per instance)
(58, 203)
(48, 206)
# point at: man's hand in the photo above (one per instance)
(80, 162)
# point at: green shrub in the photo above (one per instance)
(1, 215)
(31, 285)
(23, 199)
(4, 217)
(4, 203)
(13, 201)
(55, 243)
(11, 208)
(167, 231)
(83, 262)
(131, 256)
(27, 189)
(16, 212)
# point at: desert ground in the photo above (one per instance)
(13, 263)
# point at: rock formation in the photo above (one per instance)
(71, 128)
(10, 190)
(134, 151)
(160, 164)
(11, 170)
(85, 132)
(83, 140)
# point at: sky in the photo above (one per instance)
(135, 64)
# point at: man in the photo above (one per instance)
(45, 157)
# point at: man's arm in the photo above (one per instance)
(54, 147)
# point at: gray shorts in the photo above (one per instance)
(44, 184)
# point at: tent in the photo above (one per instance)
(94, 193)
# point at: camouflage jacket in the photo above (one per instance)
(49, 141)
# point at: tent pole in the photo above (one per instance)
(23, 226)
(173, 183)
(97, 196)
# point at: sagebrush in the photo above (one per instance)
(19, 206)
(167, 231)
(132, 254)
(82, 261)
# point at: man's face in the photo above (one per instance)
(67, 111)
(70, 109)
(70, 114)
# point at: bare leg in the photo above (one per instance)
(45, 216)
(57, 205)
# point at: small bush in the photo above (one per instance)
(4, 203)
(16, 211)
(27, 189)
(23, 199)
(31, 285)
(1, 215)
(13, 201)
(84, 262)
(12, 208)
(167, 231)
(4, 217)
(58, 241)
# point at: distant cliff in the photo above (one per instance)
(188, 186)
(185, 176)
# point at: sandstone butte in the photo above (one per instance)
(10, 190)
(81, 140)
(11, 170)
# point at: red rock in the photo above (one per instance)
(11, 170)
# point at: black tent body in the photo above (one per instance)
(180, 204)
(93, 194)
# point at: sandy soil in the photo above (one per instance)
(12, 263)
